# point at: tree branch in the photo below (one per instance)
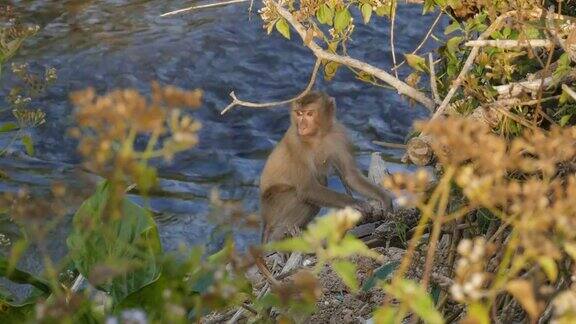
(217, 4)
(320, 53)
(510, 43)
(238, 102)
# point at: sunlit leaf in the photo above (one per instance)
(283, 28)
(8, 127)
(330, 70)
(292, 244)
(28, 144)
(549, 267)
(325, 15)
(347, 272)
(452, 28)
(524, 294)
(477, 313)
(416, 62)
(385, 315)
(366, 10)
(419, 301)
(342, 19)
(570, 248)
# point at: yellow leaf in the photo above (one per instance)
(570, 248)
(549, 267)
(524, 294)
(346, 270)
(283, 28)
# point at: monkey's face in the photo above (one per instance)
(307, 120)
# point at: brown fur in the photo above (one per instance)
(293, 182)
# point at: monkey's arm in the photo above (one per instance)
(346, 166)
(317, 194)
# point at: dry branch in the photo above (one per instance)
(217, 4)
(238, 102)
(320, 53)
(510, 43)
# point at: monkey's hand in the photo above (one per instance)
(371, 211)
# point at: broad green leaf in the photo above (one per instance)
(416, 62)
(549, 267)
(283, 28)
(347, 272)
(22, 277)
(325, 15)
(452, 28)
(8, 127)
(564, 120)
(381, 273)
(366, 10)
(100, 243)
(292, 244)
(28, 144)
(342, 19)
(523, 292)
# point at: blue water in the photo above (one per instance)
(113, 43)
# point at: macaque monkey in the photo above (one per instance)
(293, 183)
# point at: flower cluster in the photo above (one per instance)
(470, 275)
(108, 127)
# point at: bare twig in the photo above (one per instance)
(238, 102)
(320, 53)
(392, 48)
(433, 86)
(424, 40)
(510, 43)
(217, 4)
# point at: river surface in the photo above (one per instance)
(112, 43)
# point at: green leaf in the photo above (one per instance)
(127, 246)
(146, 177)
(28, 144)
(564, 120)
(385, 315)
(384, 10)
(416, 62)
(325, 15)
(417, 299)
(8, 127)
(452, 45)
(342, 19)
(347, 272)
(366, 10)
(549, 267)
(531, 32)
(382, 273)
(292, 244)
(478, 313)
(283, 28)
(23, 277)
(563, 67)
(452, 28)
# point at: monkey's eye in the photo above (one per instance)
(299, 113)
(310, 113)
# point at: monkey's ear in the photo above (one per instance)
(331, 105)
